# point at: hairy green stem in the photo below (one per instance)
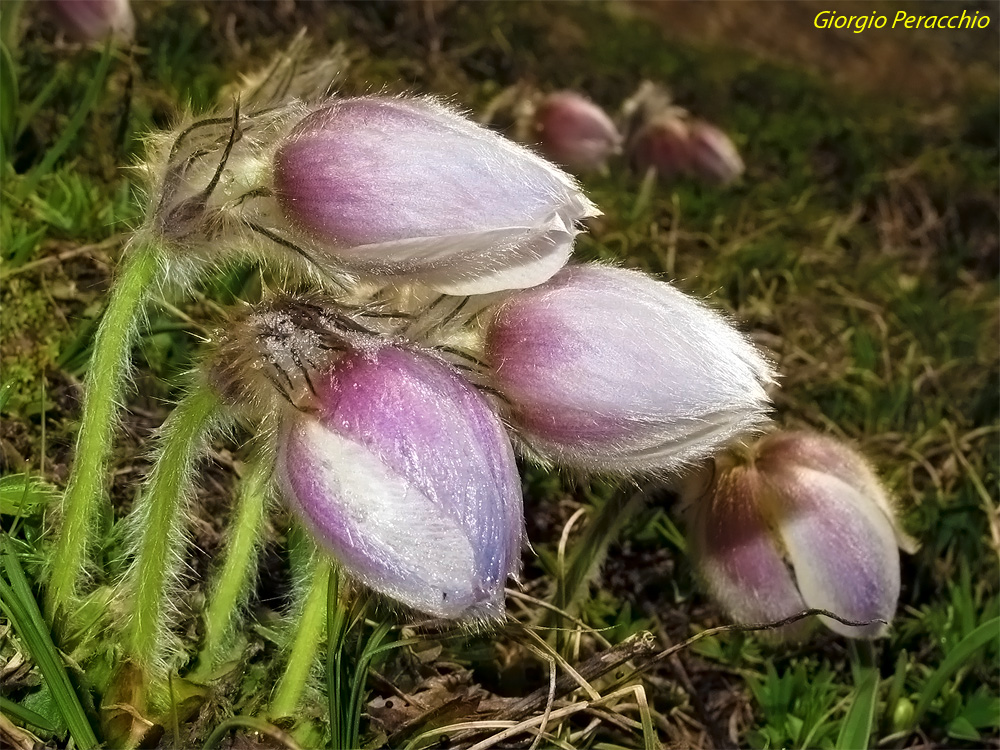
(158, 527)
(85, 491)
(231, 589)
(308, 637)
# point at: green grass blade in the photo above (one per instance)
(857, 727)
(960, 655)
(19, 605)
(360, 678)
(76, 121)
(25, 715)
(8, 105)
(336, 629)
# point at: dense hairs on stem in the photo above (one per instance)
(232, 585)
(157, 528)
(105, 383)
(306, 637)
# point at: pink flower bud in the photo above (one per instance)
(664, 145)
(94, 20)
(713, 156)
(407, 477)
(611, 370)
(407, 188)
(675, 147)
(802, 503)
(575, 132)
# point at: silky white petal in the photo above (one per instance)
(390, 536)
(841, 546)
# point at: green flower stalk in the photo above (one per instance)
(309, 626)
(105, 380)
(157, 528)
(230, 590)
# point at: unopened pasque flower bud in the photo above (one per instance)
(404, 473)
(409, 189)
(94, 20)
(676, 146)
(573, 131)
(611, 370)
(801, 522)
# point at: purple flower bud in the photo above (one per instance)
(407, 477)
(408, 188)
(575, 132)
(713, 157)
(789, 506)
(675, 146)
(664, 145)
(94, 20)
(611, 370)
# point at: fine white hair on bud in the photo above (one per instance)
(404, 473)
(799, 521)
(608, 369)
(408, 189)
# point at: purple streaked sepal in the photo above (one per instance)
(608, 369)
(406, 476)
(408, 188)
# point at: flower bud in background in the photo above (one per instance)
(574, 132)
(801, 522)
(409, 189)
(404, 473)
(608, 369)
(713, 157)
(676, 146)
(95, 20)
(664, 145)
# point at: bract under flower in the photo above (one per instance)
(408, 188)
(407, 477)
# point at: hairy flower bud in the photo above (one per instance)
(573, 131)
(94, 20)
(713, 156)
(611, 370)
(801, 522)
(404, 473)
(407, 188)
(663, 145)
(675, 146)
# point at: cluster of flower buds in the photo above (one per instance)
(575, 132)
(391, 440)
(798, 521)
(665, 138)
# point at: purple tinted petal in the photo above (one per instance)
(610, 369)
(841, 546)
(436, 468)
(824, 454)
(738, 555)
(574, 131)
(407, 187)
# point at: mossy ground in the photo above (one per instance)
(860, 249)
